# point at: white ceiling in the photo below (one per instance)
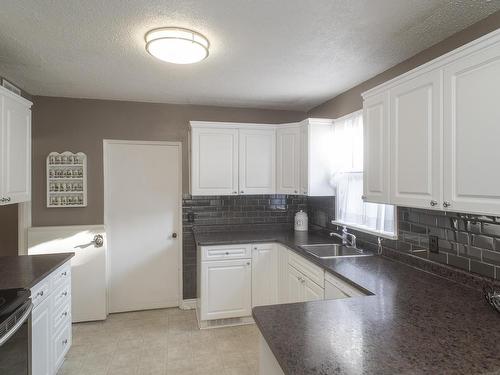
(285, 54)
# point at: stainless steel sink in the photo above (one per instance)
(334, 250)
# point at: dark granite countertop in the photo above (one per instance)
(414, 323)
(25, 271)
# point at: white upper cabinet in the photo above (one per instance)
(376, 148)
(257, 161)
(214, 161)
(316, 157)
(472, 132)
(15, 154)
(415, 134)
(443, 132)
(288, 160)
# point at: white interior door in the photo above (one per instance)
(142, 184)
(88, 266)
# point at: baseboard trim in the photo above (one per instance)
(188, 304)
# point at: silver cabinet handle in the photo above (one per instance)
(64, 313)
(64, 294)
(64, 273)
(65, 341)
(446, 204)
(434, 203)
(40, 293)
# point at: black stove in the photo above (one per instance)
(15, 340)
(11, 300)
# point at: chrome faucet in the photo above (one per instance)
(348, 239)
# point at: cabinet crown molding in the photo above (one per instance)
(460, 52)
(20, 99)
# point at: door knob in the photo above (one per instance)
(174, 235)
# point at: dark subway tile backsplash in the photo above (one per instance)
(216, 213)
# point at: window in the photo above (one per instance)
(347, 177)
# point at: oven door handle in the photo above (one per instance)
(18, 324)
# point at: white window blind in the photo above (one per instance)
(347, 178)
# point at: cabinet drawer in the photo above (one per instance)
(312, 271)
(61, 345)
(226, 252)
(62, 315)
(62, 295)
(61, 275)
(40, 291)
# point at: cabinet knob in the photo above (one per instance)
(242, 192)
(248, 263)
(295, 191)
(305, 192)
(174, 235)
(65, 341)
(2, 200)
(446, 204)
(227, 252)
(235, 192)
(64, 273)
(363, 197)
(434, 203)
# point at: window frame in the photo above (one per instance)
(359, 227)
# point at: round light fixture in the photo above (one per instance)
(177, 45)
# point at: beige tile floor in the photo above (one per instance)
(160, 342)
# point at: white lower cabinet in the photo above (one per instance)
(234, 278)
(226, 289)
(51, 321)
(337, 289)
(264, 274)
(41, 321)
(301, 288)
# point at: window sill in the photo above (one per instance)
(360, 228)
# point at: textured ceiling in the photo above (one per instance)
(289, 54)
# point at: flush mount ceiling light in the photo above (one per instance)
(177, 45)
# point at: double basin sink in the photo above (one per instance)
(334, 250)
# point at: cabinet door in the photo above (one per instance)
(416, 149)
(16, 151)
(376, 164)
(214, 161)
(471, 133)
(282, 274)
(257, 161)
(226, 289)
(295, 286)
(264, 274)
(288, 160)
(304, 159)
(41, 340)
(312, 291)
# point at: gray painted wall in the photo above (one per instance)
(61, 124)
